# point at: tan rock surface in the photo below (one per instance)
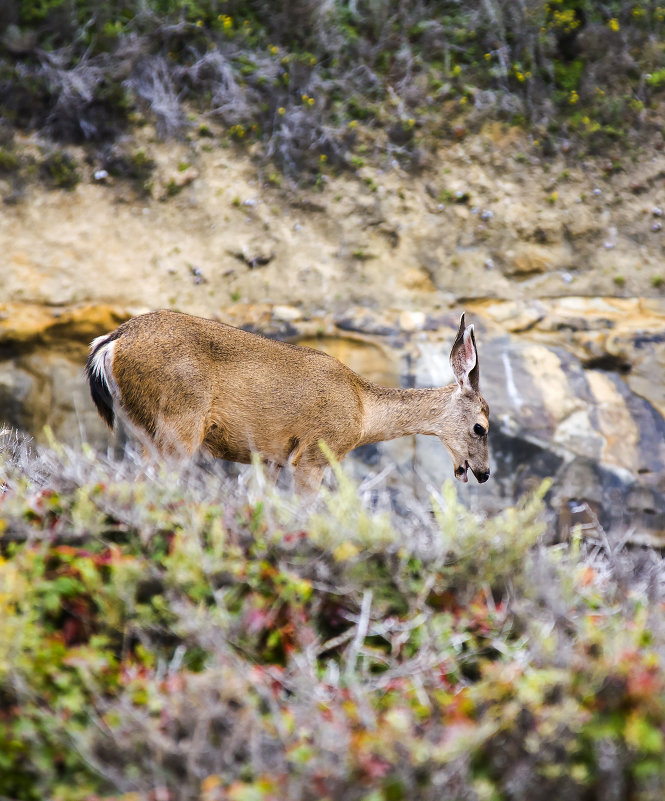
(383, 235)
(560, 267)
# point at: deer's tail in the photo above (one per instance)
(98, 369)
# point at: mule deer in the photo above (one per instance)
(186, 383)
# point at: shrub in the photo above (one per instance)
(180, 635)
(386, 64)
(60, 171)
(9, 161)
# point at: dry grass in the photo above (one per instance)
(186, 636)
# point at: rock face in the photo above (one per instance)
(559, 266)
(570, 396)
(597, 428)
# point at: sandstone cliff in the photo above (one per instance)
(559, 266)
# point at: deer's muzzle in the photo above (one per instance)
(461, 473)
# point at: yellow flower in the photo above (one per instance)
(566, 20)
(488, 56)
(347, 550)
(574, 98)
(281, 110)
(199, 23)
(210, 783)
(353, 123)
(323, 158)
(613, 24)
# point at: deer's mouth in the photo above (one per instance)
(461, 472)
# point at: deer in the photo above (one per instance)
(183, 383)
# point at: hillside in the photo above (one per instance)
(185, 637)
(350, 176)
(375, 268)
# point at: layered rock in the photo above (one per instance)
(573, 385)
(539, 253)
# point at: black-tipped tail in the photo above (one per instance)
(99, 388)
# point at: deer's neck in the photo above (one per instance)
(391, 413)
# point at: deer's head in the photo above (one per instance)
(467, 418)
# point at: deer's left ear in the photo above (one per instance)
(464, 358)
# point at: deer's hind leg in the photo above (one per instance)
(179, 438)
(308, 464)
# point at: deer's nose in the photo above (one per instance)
(482, 477)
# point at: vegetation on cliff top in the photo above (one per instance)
(319, 84)
(180, 637)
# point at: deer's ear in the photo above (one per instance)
(464, 358)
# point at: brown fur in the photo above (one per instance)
(189, 383)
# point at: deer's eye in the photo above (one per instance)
(478, 429)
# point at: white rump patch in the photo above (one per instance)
(102, 363)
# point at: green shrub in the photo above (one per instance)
(9, 161)
(179, 632)
(656, 80)
(297, 87)
(60, 170)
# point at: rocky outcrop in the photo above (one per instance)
(568, 382)
(484, 220)
(558, 264)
